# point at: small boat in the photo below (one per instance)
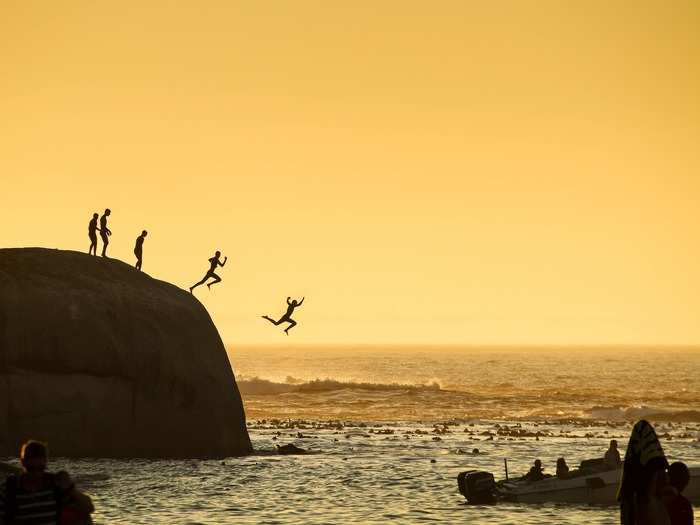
(591, 484)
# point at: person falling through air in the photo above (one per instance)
(104, 231)
(287, 317)
(92, 229)
(214, 262)
(138, 249)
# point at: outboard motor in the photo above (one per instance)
(477, 486)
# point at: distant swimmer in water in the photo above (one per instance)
(214, 262)
(287, 317)
(138, 249)
(104, 231)
(92, 229)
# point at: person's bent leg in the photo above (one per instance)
(292, 324)
(217, 279)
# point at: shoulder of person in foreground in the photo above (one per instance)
(71, 496)
(82, 501)
(680, 509)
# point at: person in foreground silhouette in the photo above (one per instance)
(36, 496)
(680, 511)
(644, 479)
(287, 317)
(92, 229)
(76, 506)
(214, 262)
(104, 231)
(138, 249)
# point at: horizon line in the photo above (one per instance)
(470, 345)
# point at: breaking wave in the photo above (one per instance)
(258, 386)
(638, 412)
(332, 397)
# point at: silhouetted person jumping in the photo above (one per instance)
(287, 317)
(214, 262)
(92, 229)
(138, 249)
(104, 231)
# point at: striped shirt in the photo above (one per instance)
(30, 508)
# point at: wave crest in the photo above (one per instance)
(632, 413)
(258, 386)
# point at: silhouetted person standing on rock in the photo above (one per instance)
(138, 249)
(287, 317)
(214, 262)
(104, 231)
(92, 229)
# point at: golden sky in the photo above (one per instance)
(445, 172)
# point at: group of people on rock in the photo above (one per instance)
(105, 233)
(214, 263)
(35, 496)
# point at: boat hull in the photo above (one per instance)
(595, 489)
(599, 488)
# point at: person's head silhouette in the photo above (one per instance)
(144, 233)
(108, 211)
(678, 475)
(218, 253)
(294, 302)
(95, 215)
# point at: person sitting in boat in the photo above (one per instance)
(535, 473)
(612, 456)
(563, 469)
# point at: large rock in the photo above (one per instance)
(103, 361)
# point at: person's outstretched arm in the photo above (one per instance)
(289, 300)
(302, 300)
(222, 263)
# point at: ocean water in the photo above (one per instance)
(390, 428)
(424, 383)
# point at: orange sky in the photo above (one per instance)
(465, 172)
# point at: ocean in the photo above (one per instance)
(423, 383)
(390, 428)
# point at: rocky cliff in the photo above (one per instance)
(103, 361)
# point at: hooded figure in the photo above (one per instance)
(643, 475)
